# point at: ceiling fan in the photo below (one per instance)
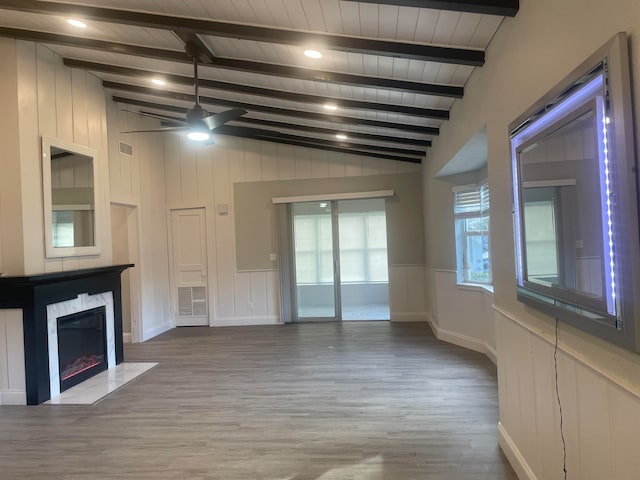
(199, 124)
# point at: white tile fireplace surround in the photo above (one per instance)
(81, 303)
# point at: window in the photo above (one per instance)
(363, 247)
(63, 235)
(471, 210)
(314, 248)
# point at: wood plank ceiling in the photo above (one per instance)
(391, 68)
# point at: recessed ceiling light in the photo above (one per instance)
(198, 136)
(313, 54)
(158, 81)
(341, 136)
(76, 23)
(330, 106)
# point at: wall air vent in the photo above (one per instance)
(126, 149)
(192, 301)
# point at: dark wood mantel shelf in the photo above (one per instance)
(32, 294)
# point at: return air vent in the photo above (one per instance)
(192, 301)
(126, 149)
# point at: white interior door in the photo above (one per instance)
(189, 267)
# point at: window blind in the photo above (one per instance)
(471, 202)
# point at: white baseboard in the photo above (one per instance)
(126, 337)
(408, 317)
(463, 341)
(13, 398)
(246, 321)
(511, 451)
(154, 332)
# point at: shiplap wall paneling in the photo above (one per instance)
(601, 418)
(31, 172)
(138, 180)
(153, 237)
(67, 104)
(12, 376)
(11, 231)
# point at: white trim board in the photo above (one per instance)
(511, 451)
(463, 341)
(246, 321)
(333, 196)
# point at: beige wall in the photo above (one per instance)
(599, 383)
(256, 218)
(200, 176)
(40, 96)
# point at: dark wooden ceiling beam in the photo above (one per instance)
(338, 119)
(416, 51)
(388, 153)
(91, 44)
(355, 136)
(327, 131)
(261, 68)
(346, 144)
(330, 148)
(207, 56)
(261, 92)
(505, 8)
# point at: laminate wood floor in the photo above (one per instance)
(361, 401)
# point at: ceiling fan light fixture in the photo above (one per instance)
(198, 135)
(76, 23)
(312, 53)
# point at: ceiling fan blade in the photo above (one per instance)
(218, 119)
(159, 130)
(158, 116)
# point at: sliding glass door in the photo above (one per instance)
(315, 275)
(364, 272)
(340, 260)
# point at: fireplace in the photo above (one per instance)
(45, 298)
(82, 346)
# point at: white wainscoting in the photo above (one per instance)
(601, 414)
(462, 314)
(406, 293)
(13, 389)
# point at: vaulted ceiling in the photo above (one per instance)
(391, 69)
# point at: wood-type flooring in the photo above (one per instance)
(325, 401)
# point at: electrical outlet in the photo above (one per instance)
(273, 257)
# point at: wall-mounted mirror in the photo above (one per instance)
(575, 199)
(69, 192)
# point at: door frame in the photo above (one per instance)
(210, 264)
(287, 277)
(335, 244)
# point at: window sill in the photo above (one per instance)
(476, 287)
